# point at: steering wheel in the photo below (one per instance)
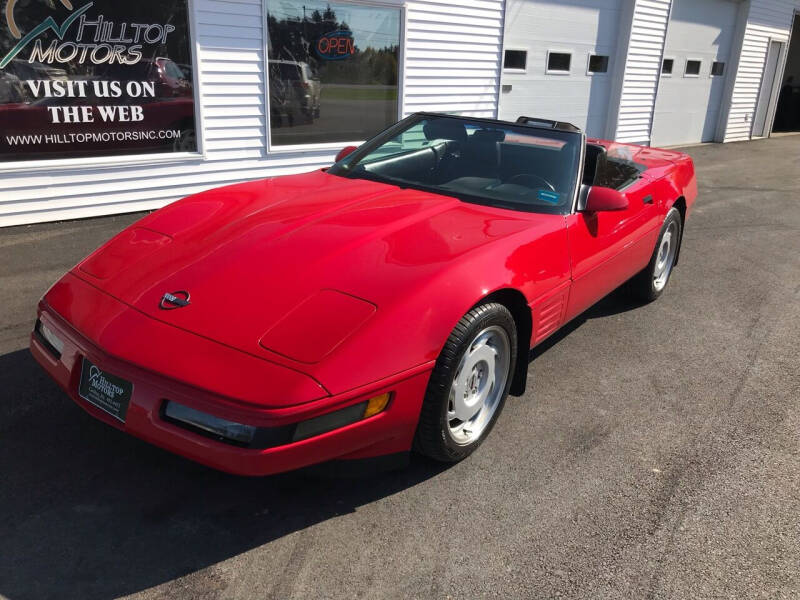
(531, 180)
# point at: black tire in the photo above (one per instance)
(433, 436)
(644, 285)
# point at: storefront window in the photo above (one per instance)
(333, 71)
(82, 78)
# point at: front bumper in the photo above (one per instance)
(388, 432)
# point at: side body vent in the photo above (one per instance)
(547, 316)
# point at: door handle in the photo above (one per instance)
(648, 199)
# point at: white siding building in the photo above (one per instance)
(643, 71)
(678, 71)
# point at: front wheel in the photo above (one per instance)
(649, 284)
(469, 384)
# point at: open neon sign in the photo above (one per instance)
(336, 45)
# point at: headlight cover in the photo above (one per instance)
(250, 436)
(237, 433)
(319, 324)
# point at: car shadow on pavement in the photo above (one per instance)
(617, 302)
(90, 512)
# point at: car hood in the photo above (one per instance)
(290, 265)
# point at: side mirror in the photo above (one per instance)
(601, 199)
(344, 152)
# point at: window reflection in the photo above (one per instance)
(118, 81)
(332, 71)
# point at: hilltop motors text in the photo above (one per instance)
(105, 47)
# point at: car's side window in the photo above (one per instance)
(411, 139)
(616, 173)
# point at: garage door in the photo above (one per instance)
(696, 64)
(558, 61)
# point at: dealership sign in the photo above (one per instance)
(97, 40)
(336, 45)
(100, 77)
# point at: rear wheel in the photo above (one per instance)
(649, 284)
(469, 384)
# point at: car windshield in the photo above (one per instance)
(487, 162)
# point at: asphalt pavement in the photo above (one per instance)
(654, 456)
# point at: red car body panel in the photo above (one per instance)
(390, 248)
(312, 292)
(386, 433)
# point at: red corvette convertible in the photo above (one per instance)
(384, 304)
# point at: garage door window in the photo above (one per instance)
(692, 68)
(718, 69)
(666, 66)
(559, 62)
(332, 71)
(515, 60)
(598, 63)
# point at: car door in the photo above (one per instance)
(608, 248)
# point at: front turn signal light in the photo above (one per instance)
(341, 418)
(376, 405)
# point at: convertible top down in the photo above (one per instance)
(386, 303)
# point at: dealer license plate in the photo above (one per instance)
(106, 391)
